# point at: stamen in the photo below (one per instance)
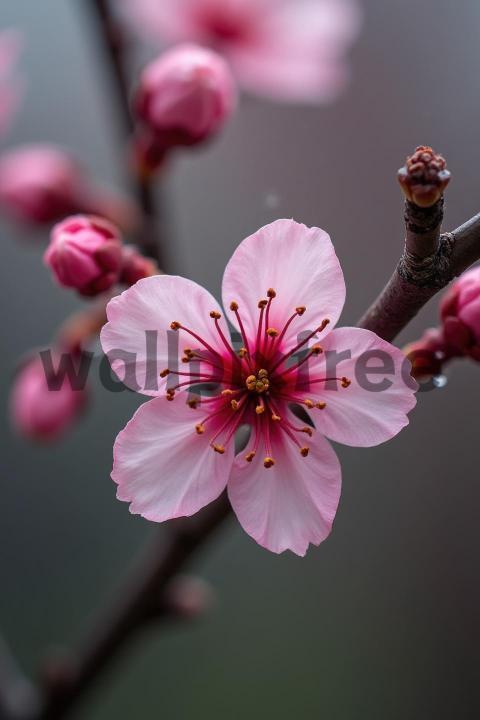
(319, 329)
(216, 316)
(307, 430)
(218, 449)
(300, 310)
(268, 462)
(261, 305)
(177, 326)
(345, 382)
(200, 429)
(164, 373)
(309, 403)
(271, 293)
(276, 418)
(304, 451)
(249, 457)
(321, 405)
(234, 404)
(271, 332)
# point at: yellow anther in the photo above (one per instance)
(276, 418)
(234, 405)
(304, 451)
(175, 325)
(300, 310)
(200, 429)
(271, 332)
(268, 462)
(215, 315)
(243, 352)
(324, 325)
(307, 430)
(260, 409)
(219, 449)
(170, 395)
(316, 350)
(250, 456)
(309, 404)
(262, 374)
(345, 382)
(164, 373)
(271, 293)
(227, 391)
(233, 306)
(193, 403)
(321, 405)
(262, 304)
(251, 382)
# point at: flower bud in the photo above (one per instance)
(460, 312)
(426, 355)
(136, 266)
(85, 253)
(424, 177)
(40, 412)
(185, 96)
(41, 184)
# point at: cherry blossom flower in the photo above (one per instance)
(284, 291)
(10, 86)
(290, 50)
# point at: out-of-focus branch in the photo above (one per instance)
(113, 39)
(430, 260)
(145, 598)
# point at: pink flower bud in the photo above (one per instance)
(85, 253)
(136, 266)
(40, 412)
(460, 311)
(185, 96)
(426, 355)
(43, 184)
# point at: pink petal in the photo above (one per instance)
(300, 264)
(162, 467)
(151, 305)
(359, 415)
(293, 503)
(300, 53)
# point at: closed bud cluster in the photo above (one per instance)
(85, 253)
(424, 177)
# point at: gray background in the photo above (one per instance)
(382, 620)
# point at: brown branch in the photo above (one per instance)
(141, 601)
(429, 261)
(151, 232)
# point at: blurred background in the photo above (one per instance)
(382, 620)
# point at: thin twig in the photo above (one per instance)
(429, 262)
(142, 600)
(151, 233)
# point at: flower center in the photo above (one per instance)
(257, 382)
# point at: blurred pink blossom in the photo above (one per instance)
(85, 253)
(290, 50)
(177, 454)
(44, 183)
(39, 412)
(11, 87)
